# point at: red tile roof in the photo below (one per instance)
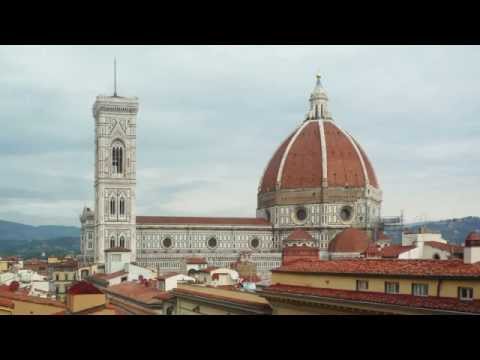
(110, 276)
(473, 239)
(195, 260)
(22, 296)
(387, 267)
(167, 275)
(445, 247)
(166, 220)
(382, 236)
(350, 240)
(393, 251)
(7, 303)
(261, 303)
(299, 234)
(138, 292)
(83, 288)
(430, 302)
(373, 251)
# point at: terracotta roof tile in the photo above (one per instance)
(269, 179)
(445, 247)
(433, 303)
(110, 276)
(195, 260)
(394, 250)
(21, 296)
(299, 234)
(344, 166)
(7, 303)
(137, 291)
(83, 288)
(234, 296)
(303, 163)
(167, 275)
(386, 267)
(350, 240)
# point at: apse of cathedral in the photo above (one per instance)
(319, 180)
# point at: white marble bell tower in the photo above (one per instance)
(115, 173)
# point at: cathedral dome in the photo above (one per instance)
(318, 154)
(350, 240)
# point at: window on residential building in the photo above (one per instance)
(392, 287)
(465, 293)
(57, 277)
(362, 285)
(420, 289)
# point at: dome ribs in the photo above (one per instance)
(344, 165)
(269, 179)
(371, 173)
(303, 163)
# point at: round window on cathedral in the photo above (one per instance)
(254, 243)
(212, 242)
(346, 213)
(301, 214)
(167, 242)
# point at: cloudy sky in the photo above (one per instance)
(211, 117)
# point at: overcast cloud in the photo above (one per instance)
(211, 117)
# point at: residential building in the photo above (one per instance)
(141, 298)
(206, 300)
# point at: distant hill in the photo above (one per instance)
(31, 241)
(453, 230)
(15, 231)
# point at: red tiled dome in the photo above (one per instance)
(299, 162)
(473, 239)
(350, 240)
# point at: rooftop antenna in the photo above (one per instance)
(115, 76)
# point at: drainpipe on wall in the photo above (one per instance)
(439, 285)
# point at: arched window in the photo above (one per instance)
(112, 206)
(122, 206)
(112, 242)
(122, 242)
(117, 158)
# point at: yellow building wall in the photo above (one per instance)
(28, 308)
(185, 307)
(5, 311)
(449, 288)
(86, 301)
(3, 266)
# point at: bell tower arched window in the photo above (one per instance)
(112, 206)
(122, 206)
(112, 242)
(117, 158)
(122, 242)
